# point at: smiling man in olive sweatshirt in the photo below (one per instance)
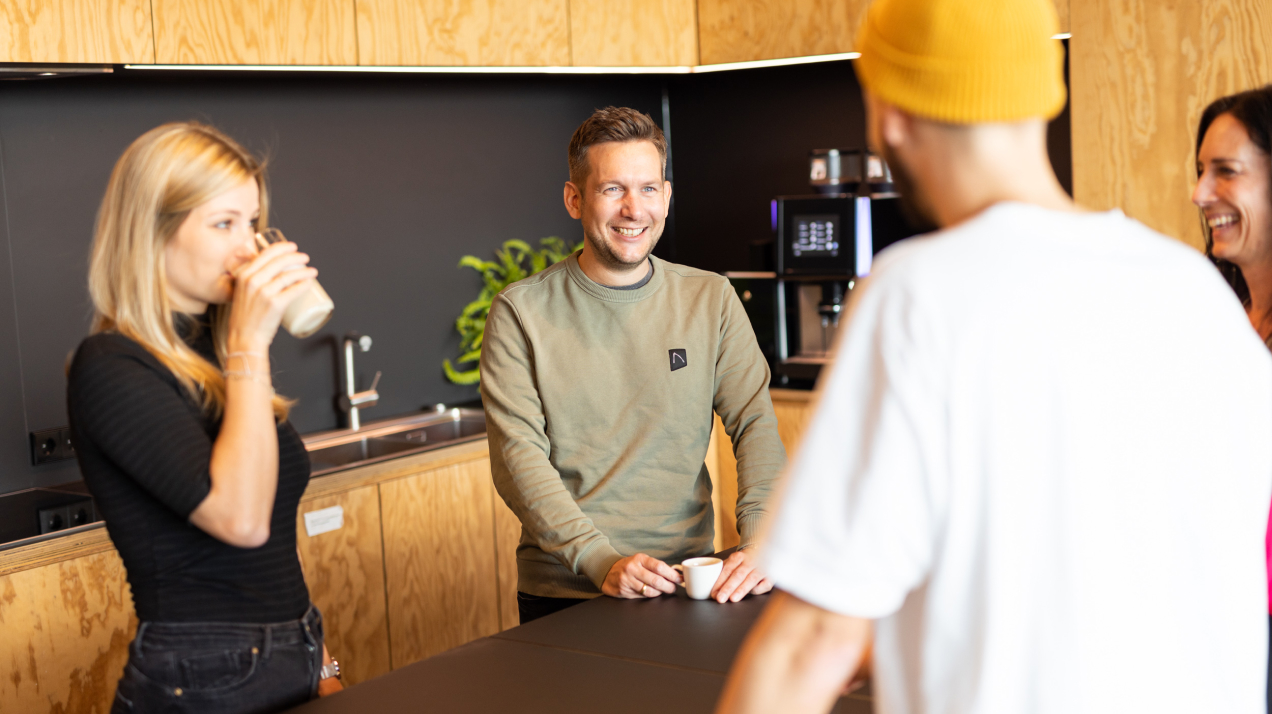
(599, 377)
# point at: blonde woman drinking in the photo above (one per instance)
(181, 438)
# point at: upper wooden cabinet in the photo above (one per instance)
(481, 33)
(746, 30)
(655, 33)
(87, 31)
(255, 32)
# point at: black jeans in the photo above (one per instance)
(532, 607)
(221, 667)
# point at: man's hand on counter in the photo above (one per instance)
(738, 578)
(640, 576)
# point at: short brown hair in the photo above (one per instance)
(613, 124)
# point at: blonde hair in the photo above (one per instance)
(167, 172)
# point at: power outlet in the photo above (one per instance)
(68, 515)
(51, 445)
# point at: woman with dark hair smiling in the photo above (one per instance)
(1234, 193)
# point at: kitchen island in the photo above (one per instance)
(668, 654)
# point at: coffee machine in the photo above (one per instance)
(825, 245)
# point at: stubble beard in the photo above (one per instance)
(913, 206)
(610, 259)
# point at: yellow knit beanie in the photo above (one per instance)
(964, 61)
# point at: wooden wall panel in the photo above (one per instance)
(87, 31)
(723, 466)
(1141, 73)
(255, 32)
(793, 413)
(345, 572)
(655, 33)
(498, 33)
(64, 634)
(793, 409)
(439, 560)
(745, 30)
(507, 538)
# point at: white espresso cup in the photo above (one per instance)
(700, 575)
(312, 308)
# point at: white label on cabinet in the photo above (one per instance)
(324, 520)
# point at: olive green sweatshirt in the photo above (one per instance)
(599, 411)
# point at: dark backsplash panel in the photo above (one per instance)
(386, 180)
(741, 138)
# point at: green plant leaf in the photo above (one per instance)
(508, 267)
(472, 376)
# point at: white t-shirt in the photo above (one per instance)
(1042, 461)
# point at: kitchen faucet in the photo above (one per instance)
(352, 400)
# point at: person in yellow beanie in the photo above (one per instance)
(1019, 491)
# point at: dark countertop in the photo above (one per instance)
(666, 655)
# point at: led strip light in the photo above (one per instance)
(680, 69)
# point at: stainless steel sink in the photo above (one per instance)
(341, 449)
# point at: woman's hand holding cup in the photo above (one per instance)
(263, 289)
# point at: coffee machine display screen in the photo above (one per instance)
(816, 235)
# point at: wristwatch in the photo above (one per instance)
(330, 670)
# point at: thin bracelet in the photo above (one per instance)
(247, 366)
(258, 378)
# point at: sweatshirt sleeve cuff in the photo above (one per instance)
(749, 530)
(597, 561)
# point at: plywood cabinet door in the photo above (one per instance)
(286, 32)
(656, 33)
(748, 30)
(507, 538)
(64, 634)
(439, 558)
(344, 569)
(485, 33)
(87, 31)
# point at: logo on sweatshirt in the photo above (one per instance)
(679, 358)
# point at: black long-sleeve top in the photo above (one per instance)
(145, 448)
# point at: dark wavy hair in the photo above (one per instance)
(1254, 110)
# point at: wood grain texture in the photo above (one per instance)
(439, 557)
(279, 32)
(87, 31)
(1141, 73)
(486, 33)
(507, 538)
(1062, 10)
(397, 468)
(793, 414)
(56, 550)
(746, 30)
(66, 629)
(96, 539)
(723, 466)
(655, 33)
(345, 573)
